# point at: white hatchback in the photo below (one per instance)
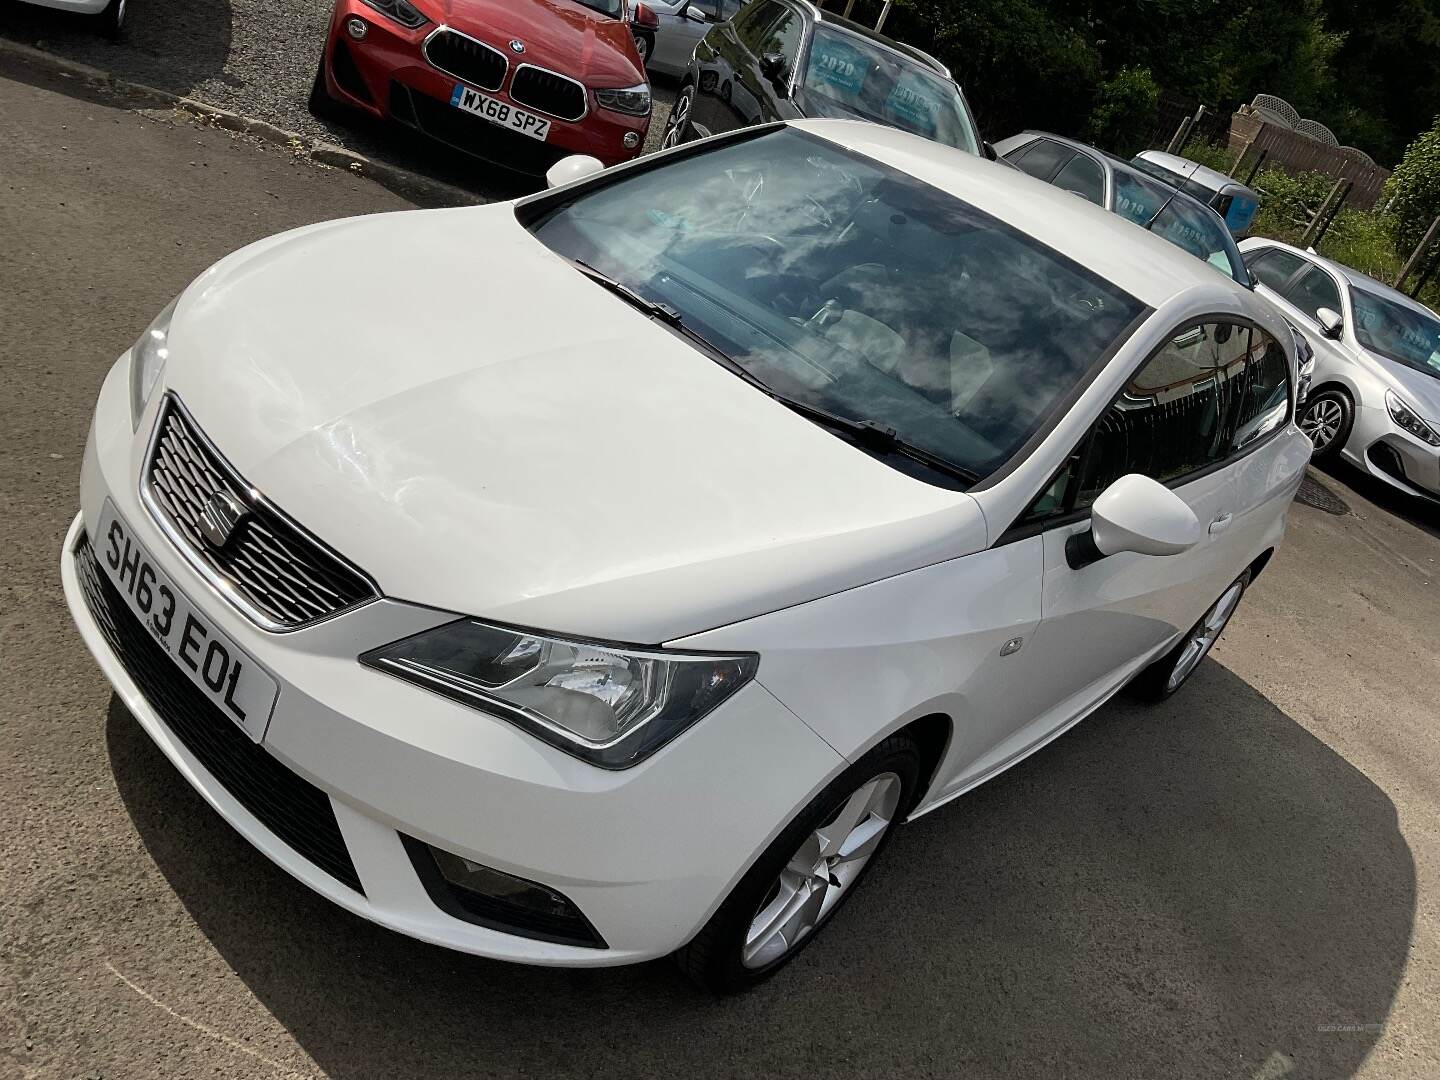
(600, 576)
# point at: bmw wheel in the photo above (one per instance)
(1162, 678)
(642, 46)
(810, 869)
(677, 128)
(1327, 419)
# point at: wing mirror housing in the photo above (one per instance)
(1135, 514)
(772, 66)
(1331, 324)
(694, 14)
(569, 169)
(641, 15)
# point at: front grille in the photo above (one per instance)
(465, 58)
(279, 575)
(471, 134)
(548, 92)
(293, 809)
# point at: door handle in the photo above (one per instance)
(1221, 523)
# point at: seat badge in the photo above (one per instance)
(218, 520)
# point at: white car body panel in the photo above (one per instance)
(586, 471)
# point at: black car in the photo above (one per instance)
(784, 59)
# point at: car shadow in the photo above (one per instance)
(1197, 889)
(1421, 513)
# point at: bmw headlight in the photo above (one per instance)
(401, 11)
(147, 360)
(610, 705)
(1405, 416)
(633, 100)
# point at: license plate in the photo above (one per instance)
(498, 112)
(238, 686)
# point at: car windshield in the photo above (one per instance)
(613, 8)
(1184, 222)
(1397, 331)
(853, 288)
(849, 76)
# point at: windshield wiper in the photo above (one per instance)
(876, 436)
(664, 312)
(864, 432)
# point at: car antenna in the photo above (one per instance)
(1194, 168)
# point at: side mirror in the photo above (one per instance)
(1331, 324)
(1136, 514)
(641, 15)
(772, 66)
(987, 149)
(694, 14)
(569, 169)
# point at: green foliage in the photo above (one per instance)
(1287, 203)
(1212, 155)
(1414, 190)
(1126, 109)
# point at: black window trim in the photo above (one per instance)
(1018, 530)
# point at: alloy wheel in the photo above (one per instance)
(679, 114)
(1322, 421)
(827, 863)
(642, 46)
(1204, 636)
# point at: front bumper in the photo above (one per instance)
(387, 76)
(646, 854)
(1391, 454)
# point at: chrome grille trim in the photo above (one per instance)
(449, 30)
(519, 99)
(274, 571)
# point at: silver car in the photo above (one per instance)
(682, 23)
(1375, 397)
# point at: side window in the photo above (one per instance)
(1273, 267)
(1176, 416)
(1194, 229)
(1041, 158)
(1262, 391)
(783, 36)
(1083, 175)
(1314, 290)
(710, 8)
(752, 23)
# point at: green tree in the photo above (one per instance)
(1126, 109)
(1414, 190)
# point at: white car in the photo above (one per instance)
(109, 15)
(682, 23)
(1375, 399)
(600, 576)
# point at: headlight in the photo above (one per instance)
(401, 11)
(147, 360)
(634, 100)
(610, 705)
(1405, 416)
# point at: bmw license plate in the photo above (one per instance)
(498, 112)
(238, 686)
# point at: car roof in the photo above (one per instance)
(1118, 164)
(1347, 273)
(859, 30)
(1147, 267)
(1192, 170)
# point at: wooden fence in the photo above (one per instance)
(1295, 153)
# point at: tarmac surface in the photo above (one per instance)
(1242, 883)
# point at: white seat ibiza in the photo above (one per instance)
(604, 575)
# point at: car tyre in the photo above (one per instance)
(677, 128)
(805, 875)
(321, 105)
(1327, 420)
(1173, 670)
(644, 45)
(112, 20)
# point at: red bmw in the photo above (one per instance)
(522, 83)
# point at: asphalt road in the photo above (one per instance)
(257, 58)
(1240, 884)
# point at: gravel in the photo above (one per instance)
(257, 58)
